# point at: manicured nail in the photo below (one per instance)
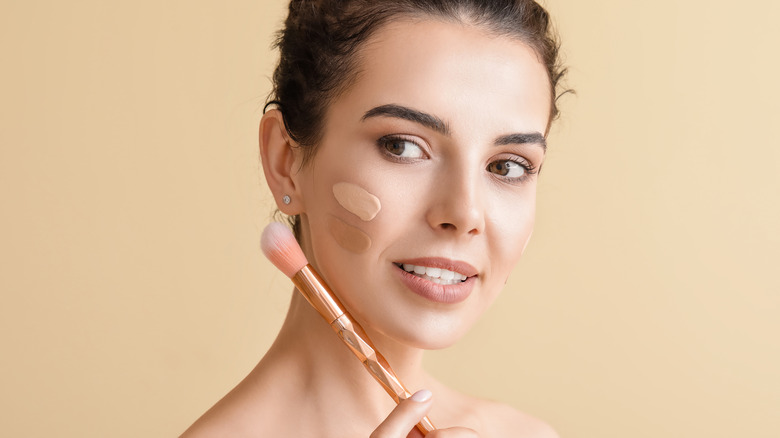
(421, 396)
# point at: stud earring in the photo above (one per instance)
(286, 199)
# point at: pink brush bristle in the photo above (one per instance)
(281, 248)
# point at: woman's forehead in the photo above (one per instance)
(455, 71)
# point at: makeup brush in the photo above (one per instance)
(281, 248)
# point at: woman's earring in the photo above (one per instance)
(286, 199)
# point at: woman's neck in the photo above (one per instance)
(309, 357)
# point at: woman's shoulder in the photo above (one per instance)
(490, 418)
(500, 419)
(239, 414)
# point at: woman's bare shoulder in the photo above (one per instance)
(238, 415)
(490, 418)
(503, 420)
(234, 422)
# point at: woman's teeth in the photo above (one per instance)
(435, 275)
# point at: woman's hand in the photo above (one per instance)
(402, 420)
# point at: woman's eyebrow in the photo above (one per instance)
(522, 138)
(406, 113)
(438, 125)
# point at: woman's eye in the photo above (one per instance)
(402, 148)
(507, 168)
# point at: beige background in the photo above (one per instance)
(134, 293)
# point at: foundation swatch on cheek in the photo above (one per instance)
(349, 237)
(357, 200)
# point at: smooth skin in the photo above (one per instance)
(463, 195)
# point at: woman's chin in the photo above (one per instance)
(426, 335)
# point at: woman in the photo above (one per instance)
(404, 140)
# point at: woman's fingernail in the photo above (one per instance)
(421, 396)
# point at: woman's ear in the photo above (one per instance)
(278, 156)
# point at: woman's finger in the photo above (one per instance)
(405, 416)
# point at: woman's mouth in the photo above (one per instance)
(436, 275)
(439, 280)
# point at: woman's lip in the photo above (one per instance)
(462, 268)
(440, 293)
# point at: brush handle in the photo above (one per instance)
(319, 295)
(356, 339)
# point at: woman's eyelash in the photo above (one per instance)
(530, 169)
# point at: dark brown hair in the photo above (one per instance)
(320, 43)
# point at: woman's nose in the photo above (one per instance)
(457, 205)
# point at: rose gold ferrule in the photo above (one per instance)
(316, 292)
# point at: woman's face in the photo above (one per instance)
(427, 162)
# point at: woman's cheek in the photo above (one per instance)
(356, 206)
(351, 238)
(512, 233)
(357, 200)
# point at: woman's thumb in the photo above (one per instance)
(405, 416)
